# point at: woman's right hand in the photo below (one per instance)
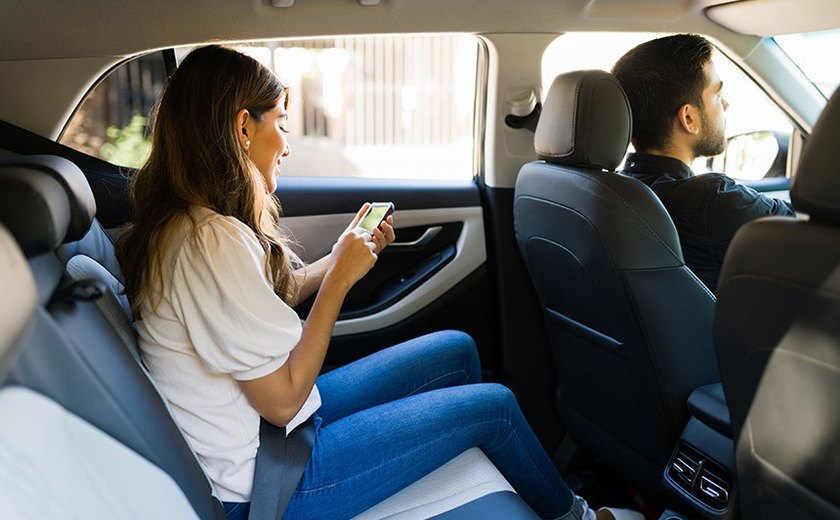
(352, 257)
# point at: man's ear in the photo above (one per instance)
(244, 128)
(688, 118)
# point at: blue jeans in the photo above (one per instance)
(391, 418)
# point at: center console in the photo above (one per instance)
(700, 473)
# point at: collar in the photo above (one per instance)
(643, 163)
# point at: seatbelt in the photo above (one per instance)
(280, 463)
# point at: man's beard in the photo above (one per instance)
(713, 140)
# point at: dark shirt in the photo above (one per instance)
(706, 209)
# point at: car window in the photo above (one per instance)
(817, 54)
(111, 121)
(397, 106)
(757, 130)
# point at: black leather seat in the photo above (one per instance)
(630, 325)
(777, 329)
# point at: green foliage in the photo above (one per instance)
(128, 146)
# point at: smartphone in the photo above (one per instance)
(376, 213)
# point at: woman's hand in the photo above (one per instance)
(384, 234)
(352, 257)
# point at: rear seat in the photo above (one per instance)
(75, 356)
(54, 464)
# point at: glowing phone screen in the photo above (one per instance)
(374, 217)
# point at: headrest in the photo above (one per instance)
(19, 297)
(585, 121)
(34, 208)
(816, 187)
(72, 180)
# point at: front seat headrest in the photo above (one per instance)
(586, 121)
(34, 208)
(816, 187)
(17, 306)
(72, 180)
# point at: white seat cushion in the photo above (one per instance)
(56, 465)
(465, 478)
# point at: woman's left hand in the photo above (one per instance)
(384, 234)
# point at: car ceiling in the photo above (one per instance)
(60, 29)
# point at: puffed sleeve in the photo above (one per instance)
(222, 296)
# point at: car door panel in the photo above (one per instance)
(307, 196)
(454, 253)
(433, 277)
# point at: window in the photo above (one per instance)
(756, 128)
(817, 56)
(757, 131)
(397, 106)
(111, 121)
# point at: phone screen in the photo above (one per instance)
(374, 217)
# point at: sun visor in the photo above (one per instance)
(774, 17)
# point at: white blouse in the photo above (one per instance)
(218, 322)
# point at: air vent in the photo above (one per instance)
(701, 477)
(714, 487)
(684, 467)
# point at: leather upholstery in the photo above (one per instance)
(73, 356)
(777, 330)
(816, 187)
(35, 209)
(630, 325)
(599, 112)
(97, 245)
(17, 306)
(37, 232)
(72, 180)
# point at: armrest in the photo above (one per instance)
(708, 404)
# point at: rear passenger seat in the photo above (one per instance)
(55, 465)
(73, 356)
(95, 430)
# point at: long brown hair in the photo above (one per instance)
(196, 160)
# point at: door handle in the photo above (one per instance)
(423, 240)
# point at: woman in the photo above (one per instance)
(212, 283)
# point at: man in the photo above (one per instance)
(678, 115)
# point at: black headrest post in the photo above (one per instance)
(585, 121)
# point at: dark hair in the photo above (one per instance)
(196, 160)
(659, 77)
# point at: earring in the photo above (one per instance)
(247, 143)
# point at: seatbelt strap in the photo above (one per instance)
(280, 463)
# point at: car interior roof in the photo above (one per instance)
(56, 29)
(70, 30)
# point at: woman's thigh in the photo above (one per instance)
(433, 361)
(363, 458)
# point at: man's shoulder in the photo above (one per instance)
(715, 181)
(712, 177)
